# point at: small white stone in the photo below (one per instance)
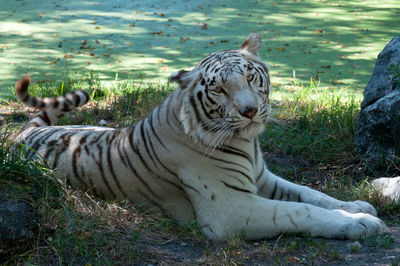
(103, 122)
(389, 186)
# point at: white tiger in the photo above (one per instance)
(196, 156)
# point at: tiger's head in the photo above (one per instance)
(226, 95)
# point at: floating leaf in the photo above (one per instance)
(280, 48)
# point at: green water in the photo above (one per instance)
(334, 41)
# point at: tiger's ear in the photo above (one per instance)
(252, 44)
(184, 78)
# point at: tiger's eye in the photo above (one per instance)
(218, 89)
(250, 77)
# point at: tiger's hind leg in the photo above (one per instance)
(273, 187)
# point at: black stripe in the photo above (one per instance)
(75, 158)
(141, 159)
(236, 188)
(194, 106)
(156, 204)
(260, 175)
(158, 159)
(214, 158)
(209, 98)
(274, 190)
(262, 186)
(50, 148)
(261, 79)
(55, 103)
(43, 115)
(233, 151)
(190, 187)
(30, 124)
(167, 111)
(237, 171)
(177, 120)
(200, 98)
(142, 134)
(100, 165)
(282, 194)
(62, 145)
(207, 60)
(119, 145)
(33, 101)
(31, 135)
(154, 131)
(256, 146)
(98, 137)
(158, 113)
(76, 99)
(39, 141)
(110, 163)
(237, 179)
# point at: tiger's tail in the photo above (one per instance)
(51, 109)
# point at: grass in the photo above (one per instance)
(76, 228)
(317, 126)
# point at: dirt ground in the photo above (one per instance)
(287, 250)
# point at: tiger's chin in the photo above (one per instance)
(251, 131)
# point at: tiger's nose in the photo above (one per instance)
(249, 112)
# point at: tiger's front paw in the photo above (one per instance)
(359, 206)
(357, 225)
(344, 225)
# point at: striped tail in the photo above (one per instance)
(51, 108)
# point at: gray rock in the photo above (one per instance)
(388, 186)
(17, 226)
(377, 134)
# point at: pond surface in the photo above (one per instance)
(335, 42)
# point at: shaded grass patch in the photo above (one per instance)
(317, 126)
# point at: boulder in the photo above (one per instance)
(18, 226)
(389, 187)
(377, 135)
